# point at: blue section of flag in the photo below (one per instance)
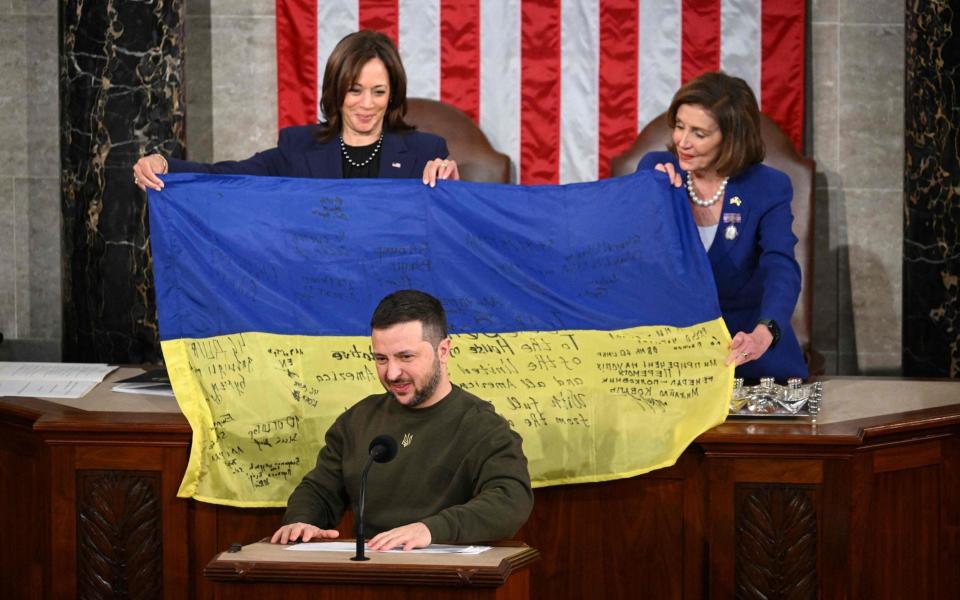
(313, 257)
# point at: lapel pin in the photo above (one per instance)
(736, 201)
(730, 220)
(395, 165)
(731, 217)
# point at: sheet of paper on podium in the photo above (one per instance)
(351, 547)
(50, 380)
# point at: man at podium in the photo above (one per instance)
(459, 475)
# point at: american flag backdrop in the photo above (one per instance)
(561, 86)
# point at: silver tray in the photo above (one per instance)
(779, 414)
(769, 400)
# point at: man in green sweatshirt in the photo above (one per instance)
(459, 476)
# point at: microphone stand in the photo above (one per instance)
(382, 449)
(363, 496)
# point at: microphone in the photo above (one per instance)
(382, 450)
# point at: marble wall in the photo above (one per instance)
(121, 96)
(30, 317)
(855, 114)
(231, 78)
(855, 132)
(931, 252)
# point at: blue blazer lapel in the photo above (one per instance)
(397, 161)
(325, 162)
(734, 222)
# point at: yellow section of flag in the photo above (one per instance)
(590, 405)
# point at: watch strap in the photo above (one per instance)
(774, 330)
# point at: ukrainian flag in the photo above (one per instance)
(586, 313)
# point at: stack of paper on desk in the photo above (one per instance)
(50, 380)
(154, 383)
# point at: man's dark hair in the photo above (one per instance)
(412, 305)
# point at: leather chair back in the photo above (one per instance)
(476, 158)
(780, 154)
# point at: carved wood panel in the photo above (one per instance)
(119, 547)
(776, 542)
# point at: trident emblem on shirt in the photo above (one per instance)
(407, 439)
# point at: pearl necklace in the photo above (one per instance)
(355, 164)
(709, 201)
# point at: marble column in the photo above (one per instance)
(931, 244)
(121, 93)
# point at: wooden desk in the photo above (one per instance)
(863, 504)
(262, 571)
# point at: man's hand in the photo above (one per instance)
(414, 535)
(302, 531)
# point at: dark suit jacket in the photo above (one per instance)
(756, 273)
(298, 154)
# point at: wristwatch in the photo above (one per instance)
(774, 330)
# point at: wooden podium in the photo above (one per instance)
(263, 571)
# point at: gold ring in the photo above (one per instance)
(744, 354)
(444, 164)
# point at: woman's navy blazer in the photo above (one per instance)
(299, 154)
(756, 272)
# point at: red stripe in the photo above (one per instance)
(296, 62)
(540, 91)
(783, 26)
(382, 16)
(619, 37)
(700, 38)
(460, 54)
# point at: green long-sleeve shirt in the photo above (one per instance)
(459, 469)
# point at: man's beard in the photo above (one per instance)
(427, 390)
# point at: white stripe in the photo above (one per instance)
(740, 50)
(335, 19)
(658, 57)
(579, 85)
(500, 77)
(419, 31)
